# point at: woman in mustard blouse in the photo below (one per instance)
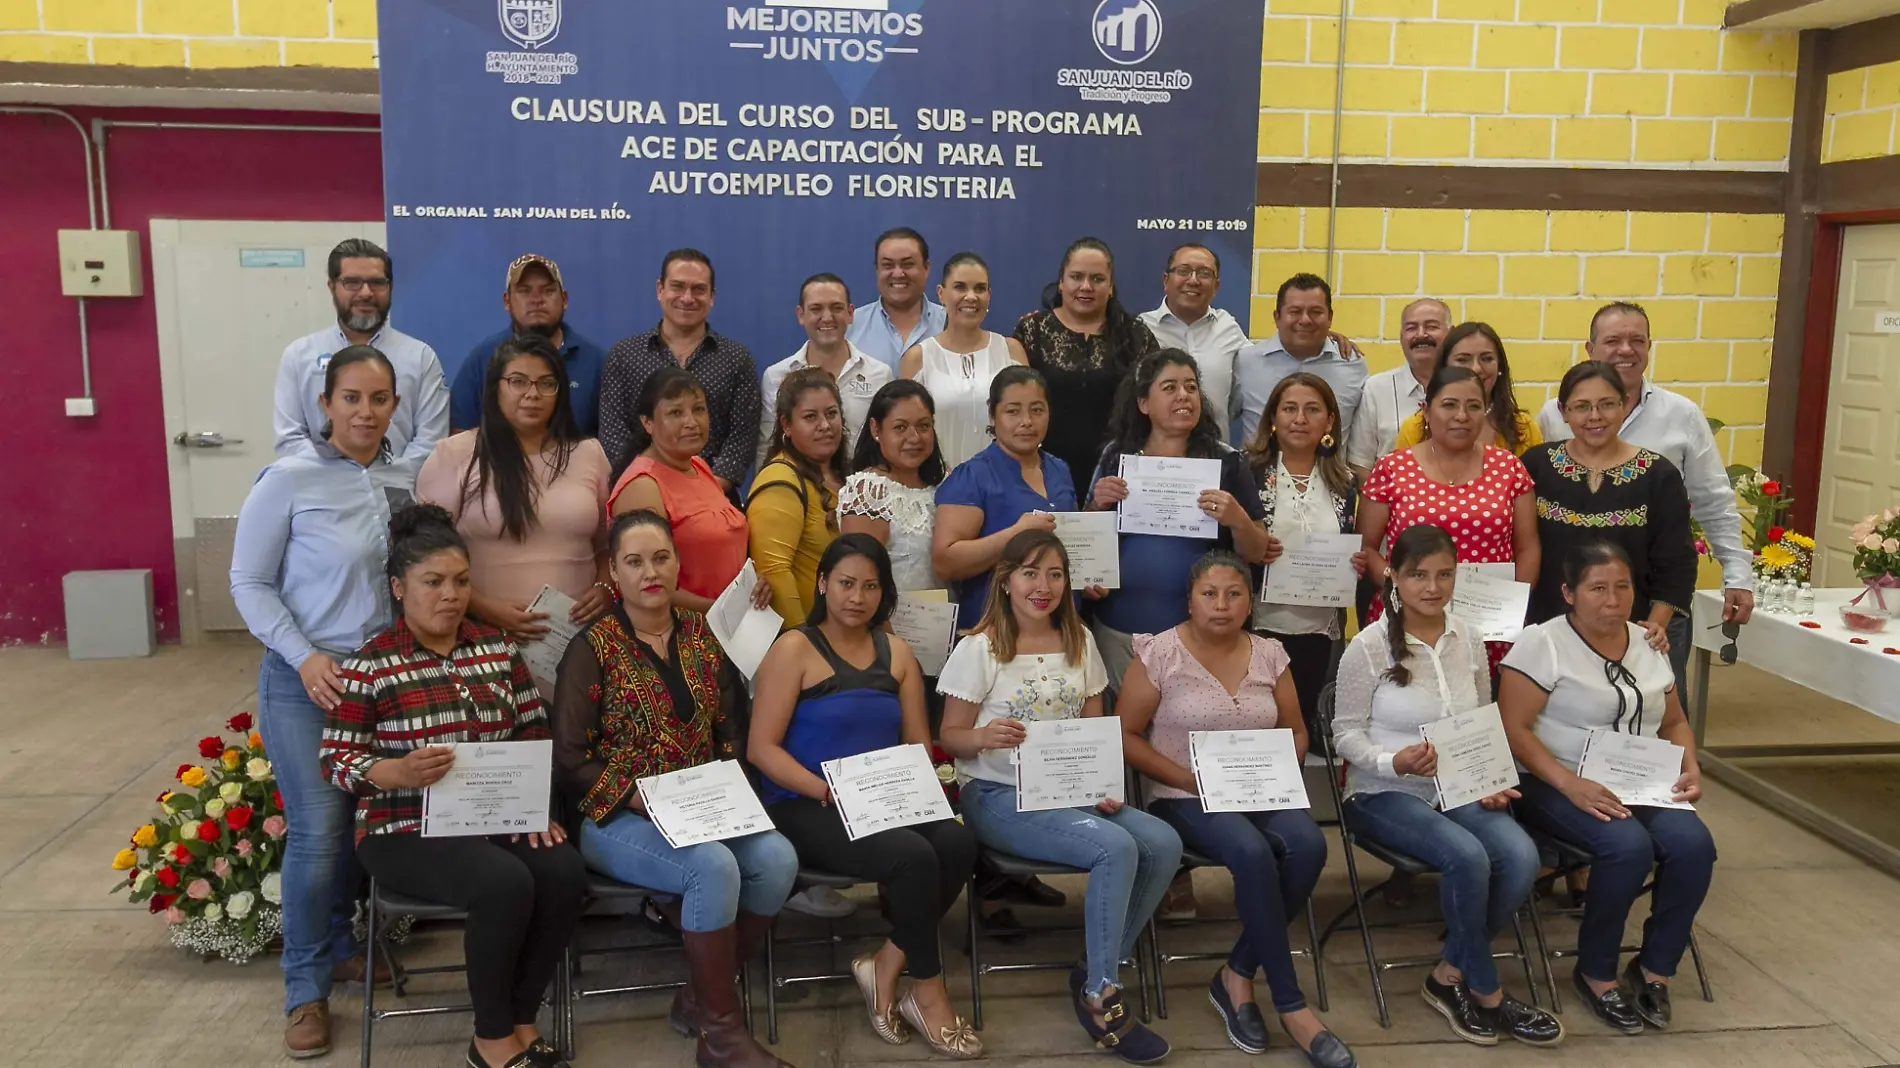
(1476, 346)
(791, 510)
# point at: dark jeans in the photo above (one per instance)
(1311, 664)
(921, 869)
(1680, 639)
(1672, 841)
(1275, 859)
(521, 902)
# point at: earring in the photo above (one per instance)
(1326, 440)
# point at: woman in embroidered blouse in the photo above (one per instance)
(839, 686)
(892, 491)
(645, 691)
(668, 477)
(957, 365)
(1590, 673)
(1305, 488)
(792, 507)
(1084, 342)
(1416, 665)
(1596, 486)
(1030, 658)
(1476, 347)
(433, 679)
(1209, 674)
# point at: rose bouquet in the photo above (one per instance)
(1877, 561)
(208, 862)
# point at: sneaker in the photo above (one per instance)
(307, 1032)
(822, 901)
(1529, 1025)
(1466, 1017)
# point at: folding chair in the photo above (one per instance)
(774, 982)
(1401, 864)
(1008, 864)
(602, 890)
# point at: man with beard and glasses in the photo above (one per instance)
(1391, 397)
(361, 277)
(536, 301)
(824, 311)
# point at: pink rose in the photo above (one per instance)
(243, 847)
(275, 826)
(174, 915)
(199, 890)
(221, 867)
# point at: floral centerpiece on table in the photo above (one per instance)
(946, 767)
(209, 860)
(1877, 561)
(1788, 557)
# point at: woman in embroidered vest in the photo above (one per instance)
(644, 691)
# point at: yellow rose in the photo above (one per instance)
(145, 837)
(231, 759)
(125, 860)
(192, 777)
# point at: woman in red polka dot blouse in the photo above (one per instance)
(1479, 494)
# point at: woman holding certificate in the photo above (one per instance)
(1209, 674)
(1160, 414)
(1009, 488)
(1576, 690)
(837, 687)
(792, 508)
(1030, 660)
(1418, 665)
(432, 680)
(891, 493)
(646, 690)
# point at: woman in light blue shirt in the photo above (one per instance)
(307, 575)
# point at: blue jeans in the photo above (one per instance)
(1275, 859)
(1130, 857)
(1674, 842)
(320, 870)
(715, 880)
(1485, 861)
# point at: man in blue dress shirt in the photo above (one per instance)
(536, 301)
(1303, 340)
(902, 315)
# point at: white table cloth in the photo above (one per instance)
(1822, 659)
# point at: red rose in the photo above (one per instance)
(1774, 534)
(1771, 488)
(238, 818)
(180, 773)
(180, 853)
(239, 723)
(277, 798)
(167, 877)
(161, 902)
(208, 831)
(210, 748)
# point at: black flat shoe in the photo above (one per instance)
(1612, 1006)
(543, 1055)
(1327, 1051)
(1529, 1025)
(520, 1060)
(1466, 1017)
(1652, 999)
(1246, 1028)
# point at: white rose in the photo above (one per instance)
(1871, 543)
(231, 792)
(240, 904)
(273, 888)
(258, 769)
(213, 809)
(146, 881)
(213, 912)
(1891, 545)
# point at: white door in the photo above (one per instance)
(1860, 467)
(230, 296)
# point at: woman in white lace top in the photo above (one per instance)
(891, 493)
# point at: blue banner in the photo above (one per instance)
(782, 137)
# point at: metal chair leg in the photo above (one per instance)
(771, 984)
(1524, 958)
(1141, 980)
(973, 899)
(1154, 956)
(369, 973)
(1319, 960)
(1543, 952)
(564, 1005)
(1365, 929)
(1695, 954)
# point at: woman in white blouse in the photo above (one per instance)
(1567, 684)
(1416, 665)
(957, 365)
(892, 491)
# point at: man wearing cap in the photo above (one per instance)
(536, 302)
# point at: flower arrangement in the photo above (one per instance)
(208, 862)
(1770, 502)
(946, 767)
(1877, 561)
(1787, 556)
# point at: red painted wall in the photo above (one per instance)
(85, 494)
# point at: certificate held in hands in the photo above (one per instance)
(885, 789)
(1069, 763)
(491, 788)
(1474, 757)
(703, 804)
(1247, 771)
(1313, 570)
(1637, 769)
(1489, 597)
(746, 633)
(1095, 550)
(1164, 496)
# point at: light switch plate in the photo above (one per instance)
(81, 406)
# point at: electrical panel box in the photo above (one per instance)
(100, 263)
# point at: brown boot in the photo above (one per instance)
(683, 1017)
(753, 929)
(307, 1034)
(723, 1039)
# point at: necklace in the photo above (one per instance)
(1445, 468)
(656, 638)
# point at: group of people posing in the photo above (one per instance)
(391, 569)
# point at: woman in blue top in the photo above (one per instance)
(307, 576)
(1159, 413)
(837, 687)
(1007, 489)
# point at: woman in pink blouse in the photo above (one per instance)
(1210, 674)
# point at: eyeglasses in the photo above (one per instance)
(350, 284)
(547, 387)
(1603, 407)
(1197, 274)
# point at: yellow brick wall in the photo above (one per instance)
(1862, 107)
(190, 33)
(1708, 282)
(1651, 83)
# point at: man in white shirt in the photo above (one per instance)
(1673, 426)
(824, 310)
(902, 315)
(361, 277)
(1392, 397)
(1187, 320)
(1303, 341)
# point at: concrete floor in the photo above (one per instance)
(1800, 939)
